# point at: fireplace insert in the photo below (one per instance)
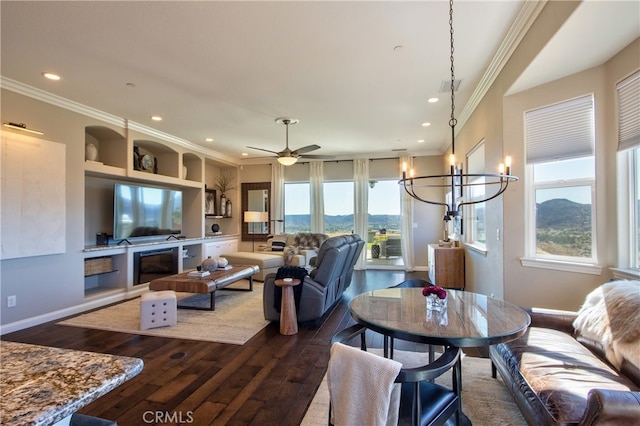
(149, 265)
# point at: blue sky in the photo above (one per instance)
(384, 198)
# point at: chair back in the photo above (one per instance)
(423, 401)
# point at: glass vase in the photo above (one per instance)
(434, 303)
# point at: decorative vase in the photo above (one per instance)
(223, 205)
(90, 152)
(227, 209)
(434, 303)
(215, 228)
(184, 172)
(222, 262)
(209, 264)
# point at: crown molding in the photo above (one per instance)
(69, 105)
(527, 15)
(50, 98)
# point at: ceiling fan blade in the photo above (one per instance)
(262, 149)
(318, 157)
(307, 148)
(256, 158)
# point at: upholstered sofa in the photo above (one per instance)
(305, 244)
(280, 250)
(331, 274)
(578, 368)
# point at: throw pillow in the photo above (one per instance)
(610, 316)
(277, 245)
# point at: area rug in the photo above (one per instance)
(237, 318)
(485, 401)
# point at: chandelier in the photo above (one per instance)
(456, 181)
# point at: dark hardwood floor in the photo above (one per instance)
(270, 380)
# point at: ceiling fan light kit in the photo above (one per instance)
(287, 157)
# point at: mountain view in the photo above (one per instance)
(563, 228)
(340, 224)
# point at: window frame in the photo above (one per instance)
(551, 152)
(531, 224)
(472, 157)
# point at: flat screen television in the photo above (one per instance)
(141, 211)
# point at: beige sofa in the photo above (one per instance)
(280, 250)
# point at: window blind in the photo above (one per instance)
(629, 112)
(560, 131)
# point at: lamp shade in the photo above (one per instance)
(252, 217)
(287, 161)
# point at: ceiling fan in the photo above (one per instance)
(287, 156)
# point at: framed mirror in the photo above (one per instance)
(256, 198)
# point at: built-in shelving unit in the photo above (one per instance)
(174, 167)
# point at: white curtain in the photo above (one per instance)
(277, 198)
(317, 196)
(406, 225)
(361, 204)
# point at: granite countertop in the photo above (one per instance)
(41, 385)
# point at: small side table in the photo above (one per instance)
(288, 317)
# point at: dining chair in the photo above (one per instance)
(388, 340)
(422, 402)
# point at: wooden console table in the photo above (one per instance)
(446, 266)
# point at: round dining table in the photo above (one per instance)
(469, 319)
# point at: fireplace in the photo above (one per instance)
(149, 265)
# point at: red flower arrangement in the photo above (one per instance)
(434, 289)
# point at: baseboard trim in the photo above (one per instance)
(72, 310)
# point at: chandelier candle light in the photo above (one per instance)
(455, 180)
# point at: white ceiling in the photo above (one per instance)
(227, 70)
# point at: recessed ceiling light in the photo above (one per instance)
(432, 100)
(156, 118)
(420, 140)
(208, 139)
(426, 124)
(51, 76)
(244, 154)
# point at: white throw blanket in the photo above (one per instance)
(362, 387)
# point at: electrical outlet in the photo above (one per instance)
(11, 301)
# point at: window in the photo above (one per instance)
(635, 208)
(384, 205)
(561, 182)
(338, 208)
(628, 100)
(297, 207)
(476, 224)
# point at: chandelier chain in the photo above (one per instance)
(452, 121)
(456, 182)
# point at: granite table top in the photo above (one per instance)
(41, 385)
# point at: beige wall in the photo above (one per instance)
(532, 286)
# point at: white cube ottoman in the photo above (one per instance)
(158, 309)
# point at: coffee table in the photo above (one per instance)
(216, 280)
